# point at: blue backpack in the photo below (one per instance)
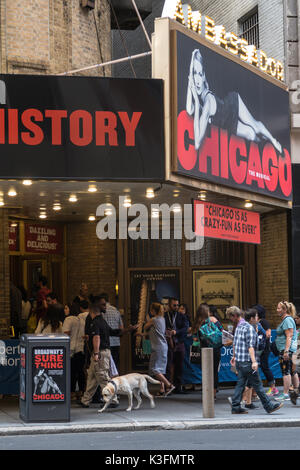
(211, 334)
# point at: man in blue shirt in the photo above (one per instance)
(245, 346)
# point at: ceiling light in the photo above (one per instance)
(56, 207)
(27, 182)
(108, 212)
(92, 218)
(248, 204)
(43, 216)
(1, 203)
(13, 224)
(177, 208)
(73, 198)
(202, 195)
(12, 192)
(155, 214)
(127, 202)
(92, 189)
(150, 193)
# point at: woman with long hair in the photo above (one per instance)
(51, 322)
(229, 113)
(286, 344)
(204, 317)
(159, 347)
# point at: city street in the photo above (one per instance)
(234, 439)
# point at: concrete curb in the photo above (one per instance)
(28, 429)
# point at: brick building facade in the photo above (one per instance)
(50, 37)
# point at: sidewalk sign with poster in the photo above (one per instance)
(146, 287)
(45, 378)
(48, 371)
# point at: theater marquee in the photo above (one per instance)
(227, 122)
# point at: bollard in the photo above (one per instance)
(208, 402)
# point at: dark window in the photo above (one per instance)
(249, 28)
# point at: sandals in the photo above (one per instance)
(169, 390)
(160, 394)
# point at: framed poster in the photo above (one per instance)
(219, 287)
(48, 375)
(148, 286)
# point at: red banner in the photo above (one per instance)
(43, 239)
(226, 223)
(13, 237)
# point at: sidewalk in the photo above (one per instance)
(173, 412)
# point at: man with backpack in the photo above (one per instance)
(245, 346)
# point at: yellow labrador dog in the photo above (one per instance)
(130, 384)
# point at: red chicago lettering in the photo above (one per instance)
(285, 173)
(185, 127)
(270, 167)
(237, 147)
(210, 149)
(224, 153)
(254, 172)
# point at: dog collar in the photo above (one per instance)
(114, 384)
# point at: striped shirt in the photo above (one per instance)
(113, 318)
(245, 337)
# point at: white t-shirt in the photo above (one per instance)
(48, 330)
(81, 331)
(71, 325)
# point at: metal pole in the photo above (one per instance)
(208, 401)
(111, 62)
(142, 24)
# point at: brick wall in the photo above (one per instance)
(90, 260)
(272, 264)
(270, 13)
(4, 265)
(52, 36)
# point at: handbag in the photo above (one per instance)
(211, 334)
(274, 349)
(195, 351)
(146, 346)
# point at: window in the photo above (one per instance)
(249, 28)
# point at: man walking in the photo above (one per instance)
(114, 320)
(98, 344)
(244, 359)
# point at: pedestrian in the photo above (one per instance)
(15, 309)
(70, 328)
(51, 299)
(80, 358)
(113, 317)
(159, 348)
(251, 316)
(191, 372)
(99, 347)
(43, 291)
(294, 394)
(50, 323)
(204, 319)
(176, 330)
(264, 357)
(286, 345)
(83, 293)
(26, 309)
(245, 345)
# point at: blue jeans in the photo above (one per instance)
(246, 375)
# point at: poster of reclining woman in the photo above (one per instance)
(232, 123)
